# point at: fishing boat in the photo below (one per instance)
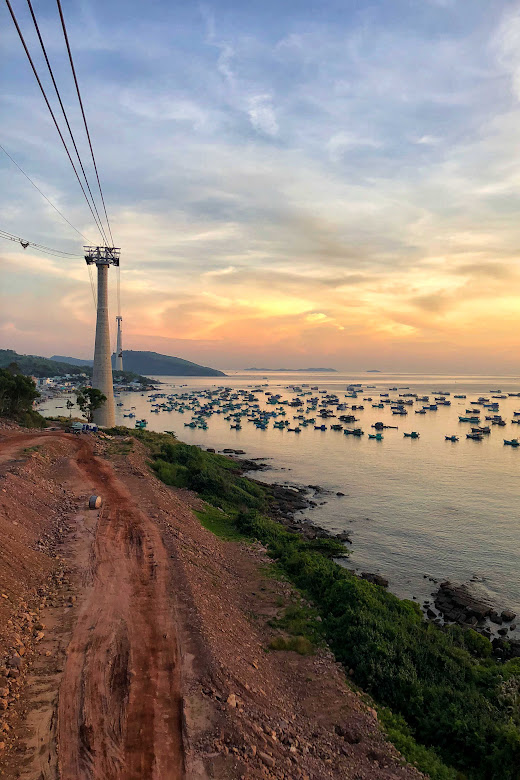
(451, 438)
(474, 436)
(377, 436)
(412, 435)
(512, 442)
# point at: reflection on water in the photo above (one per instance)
(413, 507)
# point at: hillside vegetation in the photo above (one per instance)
(154, 364)
(41, 367)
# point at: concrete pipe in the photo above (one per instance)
(95, 502)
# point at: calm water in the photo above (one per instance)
(413, 507)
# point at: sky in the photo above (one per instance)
(291, 183)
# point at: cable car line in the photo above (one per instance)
(83, 114)
(44, 195)
(52, 113)
(63, 109)
(57, 252)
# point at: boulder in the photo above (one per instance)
(508, 615)
(377, 579)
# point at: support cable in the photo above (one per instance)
(99, 226)
(44, 196)
(63, 109)
(92, 286)
(83, 114)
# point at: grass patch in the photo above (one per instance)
(300, 620)
(299, 644)
(219, 523)
(31, 419)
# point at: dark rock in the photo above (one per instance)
(431, 614)
(496, 618)
(340, 494)
(508, 615)
(458, 603)
(502, 631)
(377, 579)
(352, 735)
(344, 537)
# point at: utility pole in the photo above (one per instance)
(119, 347)
(102, 257)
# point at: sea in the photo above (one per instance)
(418, 511)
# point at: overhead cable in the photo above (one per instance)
(99, 226)
(83, 114)
(63, 110)
(43, 195)
(40, 247)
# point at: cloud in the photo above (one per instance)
(347, 187)
(262, 114)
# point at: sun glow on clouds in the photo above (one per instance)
(282, 191)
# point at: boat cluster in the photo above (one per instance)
(310, 407)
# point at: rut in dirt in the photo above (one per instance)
(120, 704)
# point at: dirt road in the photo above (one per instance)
(119, 714)
(94, 606)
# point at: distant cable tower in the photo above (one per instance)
(119, 347)
(103, 257)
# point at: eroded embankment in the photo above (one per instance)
(155, 633)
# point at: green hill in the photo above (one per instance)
(154, 364)
(34, 365)
(40, 367)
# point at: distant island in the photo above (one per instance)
(373, 371)
(294, 370)
(151, 364)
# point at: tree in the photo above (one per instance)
(89, 399)
(17, 393)
(70, 406)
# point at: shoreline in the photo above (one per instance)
(452, 603)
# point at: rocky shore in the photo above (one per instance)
(452, 603)
(457, 603)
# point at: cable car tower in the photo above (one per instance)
(103, 257)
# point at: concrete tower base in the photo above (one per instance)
(102, 374)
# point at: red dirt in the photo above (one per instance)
(152, 663)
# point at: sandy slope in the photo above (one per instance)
(136, 646)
